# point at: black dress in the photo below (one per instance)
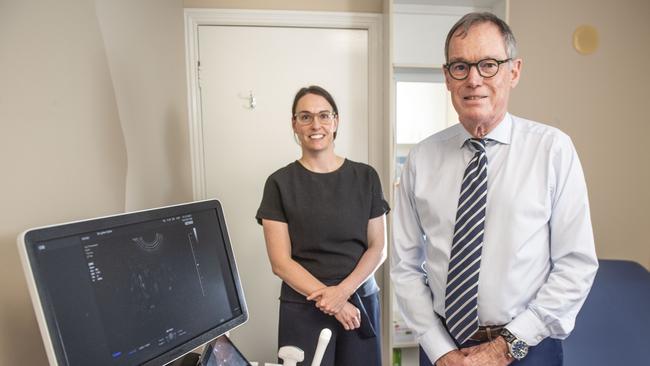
(327, 216)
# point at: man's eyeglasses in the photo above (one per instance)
(306, 118)
(487, 68)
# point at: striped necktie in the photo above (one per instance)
(461, 305)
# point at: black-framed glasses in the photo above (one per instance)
(487, 68)
(306, 118)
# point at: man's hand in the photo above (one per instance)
(330, 300)
(453, 358)
(349, 316)
(493, 353)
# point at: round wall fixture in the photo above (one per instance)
(585, 39)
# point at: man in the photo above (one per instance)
(493, 251)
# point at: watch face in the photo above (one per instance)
(518, 349)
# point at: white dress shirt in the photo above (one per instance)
(538, 259)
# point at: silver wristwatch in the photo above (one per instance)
(517, 348)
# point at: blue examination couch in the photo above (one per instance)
(613, 327)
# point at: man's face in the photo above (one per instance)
(481, 102)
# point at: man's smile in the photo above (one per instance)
(474, 97)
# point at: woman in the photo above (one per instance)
(324, 226)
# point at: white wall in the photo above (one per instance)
(420, 31)
(93, 121)
(62, 152)
(145, 48)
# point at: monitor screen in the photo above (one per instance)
(140, 288)
(221, 352)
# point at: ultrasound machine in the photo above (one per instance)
(141, 288)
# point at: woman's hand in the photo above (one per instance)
(331, 299)
(349, 316)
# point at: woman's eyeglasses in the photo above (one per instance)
(306, 118)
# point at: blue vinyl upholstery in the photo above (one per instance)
(613, 327)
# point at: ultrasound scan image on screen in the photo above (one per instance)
(134, 289)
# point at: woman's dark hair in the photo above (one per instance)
(317, 90)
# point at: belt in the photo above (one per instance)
(484, 334)
(488, 333)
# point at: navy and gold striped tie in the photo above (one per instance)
(461, 306)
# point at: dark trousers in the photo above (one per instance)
(547, 353)
(301, 323)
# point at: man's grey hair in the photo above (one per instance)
(468, 20)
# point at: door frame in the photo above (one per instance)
(274, 18)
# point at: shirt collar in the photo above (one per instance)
(502, 133)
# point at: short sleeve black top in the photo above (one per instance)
(327, 215)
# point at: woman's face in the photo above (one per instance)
(315, 131)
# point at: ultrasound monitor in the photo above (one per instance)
(140, 288)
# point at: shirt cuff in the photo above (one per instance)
(436, 342)
(529, 328)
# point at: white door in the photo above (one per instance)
(242, 145)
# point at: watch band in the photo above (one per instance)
(509, 337)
